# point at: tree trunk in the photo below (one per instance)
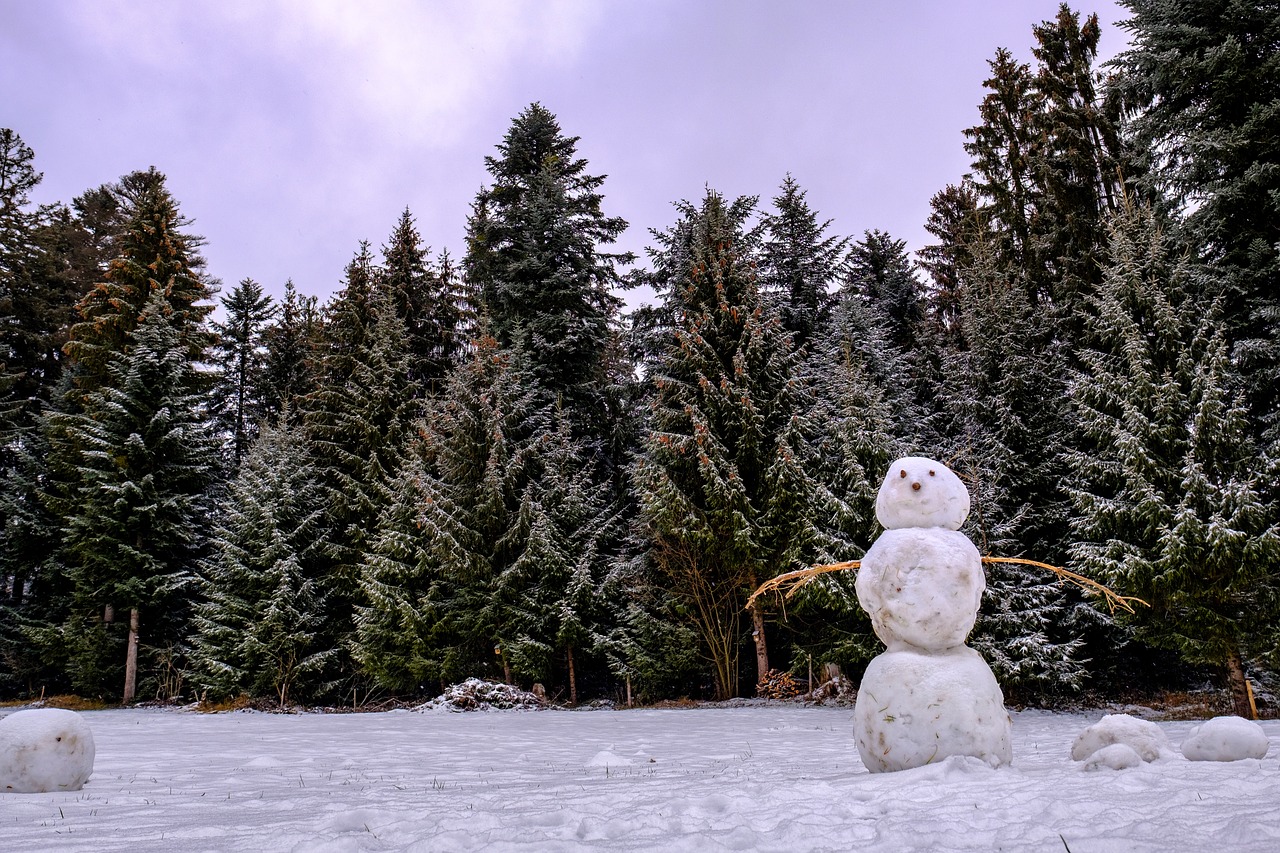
(573, 679)
(1238, 686)
(762, 647)
(628, 690)
(131, 660)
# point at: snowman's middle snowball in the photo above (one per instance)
(922, 588)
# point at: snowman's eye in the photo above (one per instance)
(902, 473)
(930, 473)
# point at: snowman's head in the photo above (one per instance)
(920, 492)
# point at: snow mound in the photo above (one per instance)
(475, 694)
(1118, 756)
(1142, 736)
(606, 758)
(45, 750)
(1226, 739)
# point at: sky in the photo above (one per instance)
(292, 130)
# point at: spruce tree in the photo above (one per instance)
(256, 630)
(458, 521)
(141, 507)
(535, 258)
(799, 262)
(724, 493)
(238, 401)
(1169, 501)
(356, 421)
(428, 301)
(291, 341)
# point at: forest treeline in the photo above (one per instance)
(481, 466)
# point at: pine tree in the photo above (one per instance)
(1199, 82)
(238, 402)
(458, 521)
(156, 254)
(141, 507)
(428, 300)
(555, 587)
(1169, 503)
(725, 498)
(799, 262)
(257, 627)
(291, 341)
(356, 422)
(535, 258)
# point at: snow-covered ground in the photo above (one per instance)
(701, 779)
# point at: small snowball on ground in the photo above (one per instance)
(1118, 756)
(1142, 736)
(44, 750)
(920, 492)
(1226, 739)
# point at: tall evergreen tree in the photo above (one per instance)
(458, 522)
(141, 508)
(357, 421)
(291, 342)
(256, 630)
(1199, 82)
(724, 494)
(428, 300)
(535, 257)
(1169, 499)
(238, 400)
(799, 262)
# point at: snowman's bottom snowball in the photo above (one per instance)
(916, 708)
(1226, 739)
(45, 750)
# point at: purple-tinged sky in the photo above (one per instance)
(291, 130)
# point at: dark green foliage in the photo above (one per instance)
(1169, 496)
(799, 262)
(534, 256)
(724, 493)
(238, 401)
(140, 509)
(429, 300)
(287, 369)
(1200, 82)
(256, 630)
(458, 523)
(356, 422)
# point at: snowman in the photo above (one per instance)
(928, 696)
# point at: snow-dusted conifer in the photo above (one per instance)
(256, 629)
(460, 518)
(141, 507)
(724, 493)
(1169, 497)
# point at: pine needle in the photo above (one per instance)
(787, 585)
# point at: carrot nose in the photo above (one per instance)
(915, 487)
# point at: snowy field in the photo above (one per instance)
(780, 778)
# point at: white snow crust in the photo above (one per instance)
(922, 588)
(1142, 736)
(916, 708)
(761, 778)
(921, 492)
(44, 750)
(1226, 739)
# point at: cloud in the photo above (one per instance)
(405, 67)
